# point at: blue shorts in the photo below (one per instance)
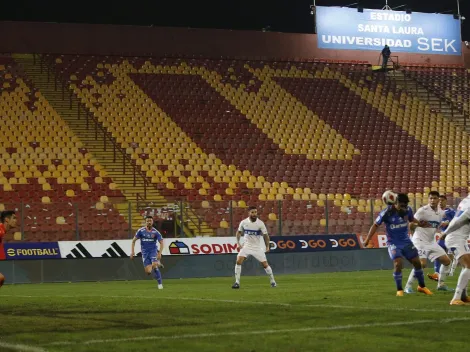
(407, 250)
(149, 258)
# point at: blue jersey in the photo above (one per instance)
(396, 225)
(449, 215)
(148, 240)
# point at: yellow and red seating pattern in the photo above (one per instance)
(45, 171)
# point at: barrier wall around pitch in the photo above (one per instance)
(222, 265)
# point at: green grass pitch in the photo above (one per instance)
(355, 311)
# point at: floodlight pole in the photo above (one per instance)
(458, 7)
(386, 7)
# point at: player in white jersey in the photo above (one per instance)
(457, 242)
(424, 239)
(253, 229)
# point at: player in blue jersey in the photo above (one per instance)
(449, 215)
(151, 253)
(396, 218)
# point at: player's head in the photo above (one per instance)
(401, 204)
(442, 201)
(149, 221)
(253, 213)
(433, 199)
(8, 217)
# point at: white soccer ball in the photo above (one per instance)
(389, 197)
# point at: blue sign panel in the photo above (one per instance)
(346, 28)
(313, 243)
(27, 250)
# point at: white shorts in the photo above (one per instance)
(431, 251)
(258, 254)
(458, 247)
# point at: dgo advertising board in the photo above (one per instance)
(345, 28)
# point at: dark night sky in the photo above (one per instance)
(280, 15)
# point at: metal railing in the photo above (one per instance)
(438, 94)
(88, 221)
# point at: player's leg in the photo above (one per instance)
(147, 261)
(444, 270)
(156, 272)
(412, 278)
(411, 253)
(397, 274)
(454, 264)
(437, 263)
(420, 250)
(2, 279)
(261, 257)
(238, 267)
(397, 258)
(460, 295)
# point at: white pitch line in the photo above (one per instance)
(18, 347)
(257, 332)
(292, 305)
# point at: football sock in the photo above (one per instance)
(157, 275)
(437, 266)
(419, 274)
(462, 283)
(443, 273)
(398, 277)
(269, 271)
(411, 279)
(238, 272)
(464, 293)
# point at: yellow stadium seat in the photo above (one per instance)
(217, 197)
(70, 193)
(45, 200)
(104, 199)
(202, 192)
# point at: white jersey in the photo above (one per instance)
(434, 217)
(459, 227)
(253, 233)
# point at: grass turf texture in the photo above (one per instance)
(322, 312)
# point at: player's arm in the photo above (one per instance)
(372, 231)
(266, 238)
(375, 226)
(160, 249)
(458, 222)
(239, 235)
(134, 240)
(266, 241)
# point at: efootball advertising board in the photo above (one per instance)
(345, 28)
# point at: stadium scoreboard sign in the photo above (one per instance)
(344, 28)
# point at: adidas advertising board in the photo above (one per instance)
(97, 249)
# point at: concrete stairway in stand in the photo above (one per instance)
(131, 186)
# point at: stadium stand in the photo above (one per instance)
(449, 83)
(46, 172)
(313, 143)
(235, 130)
